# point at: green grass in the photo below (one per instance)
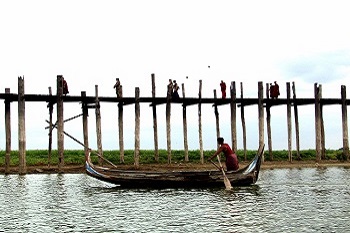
(76, 157)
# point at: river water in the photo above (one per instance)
(283, 200)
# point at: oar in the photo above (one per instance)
(226, 180)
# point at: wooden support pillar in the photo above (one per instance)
(217, 120)
(155, 124)
(21, 127)
(184, 121)
(85, 123)
(296, 120)
(233, 106)
(98, 127)
(289, 123)
(8, 131)
(317, 122)
(121, 127)
(261, 114)
(344, 123)
(60, 126)
(168, 127)
(323, 140)
(50, 106)
(200, 122)
(244, 128)
(268, 121)
(137, 128)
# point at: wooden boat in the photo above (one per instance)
(176, 179)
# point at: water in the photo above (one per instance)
(283, 200)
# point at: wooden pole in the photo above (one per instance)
(85, 123)
(60, 125)
(50, 106)
(200, 122)
(8, 131)
(98, 127)
(168, 128)
(289, 123)
(268, 120)
(137, 128)
(344, 123)
(155, 125)
(21, 127)
(296, 120)
(317, 122)
(233, 106)
(323, 142)
(261, 115)
(184, 120)
(121, 127)
(217, 120)
(244, 129)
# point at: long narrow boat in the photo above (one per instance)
(176, 179)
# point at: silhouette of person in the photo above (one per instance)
(223, 89)
(118, 88)
(65, 86)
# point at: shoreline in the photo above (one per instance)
(78, 169)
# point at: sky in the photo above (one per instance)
(93, 42)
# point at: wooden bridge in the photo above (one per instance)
(234, 102)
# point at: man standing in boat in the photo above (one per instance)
(231, 157)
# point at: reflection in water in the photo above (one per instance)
(283, 200)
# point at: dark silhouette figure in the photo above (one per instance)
(65, 87)
(175, 91)
(223, 89)
(118, 89)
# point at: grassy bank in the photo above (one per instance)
(76, 157)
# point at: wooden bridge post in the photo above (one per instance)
(85, 123)
(261, 114)
(98, 127)
(184, 120)
(233, 106)
(155, 125)
(268, 120)
(168, 127)
(289, 123)
(137, 128)
(317, 122)
(8, 131)
(60, 129)
(216, 112)
(344, 123)
(121, 127)
(200, 122)
(323, 142)
(50, 106)
(244, 129)
(296, 120)
(21, 127)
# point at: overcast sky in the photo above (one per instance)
(93, 42)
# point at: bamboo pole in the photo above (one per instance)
(121, 127)
(60, 125)
(268, 120)
(8, 131)
(289, 123)
(233, 106)
(317, 122)
(85, 124)
(244, 128)
(217, 120)
(261, 115)
(50, 106)
(200, 122)
(21, 127)
(137, 128)
(155, 125)
(98, 127)
(168, 128)
(344, 123)
(296, 120)
(184, 120)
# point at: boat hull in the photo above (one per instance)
(175, 179)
